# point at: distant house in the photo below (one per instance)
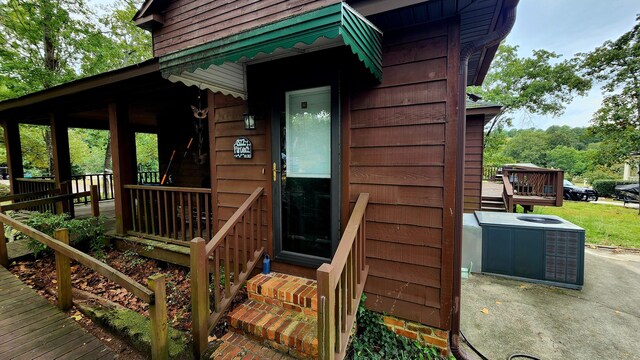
(308, 105)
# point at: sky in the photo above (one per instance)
(568, 27)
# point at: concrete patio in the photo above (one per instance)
(501, 317)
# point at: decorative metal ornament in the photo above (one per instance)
(199, 114)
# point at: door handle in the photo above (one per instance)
(275, 171)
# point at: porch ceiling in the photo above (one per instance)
(220, 65)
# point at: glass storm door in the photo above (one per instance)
(306, 211)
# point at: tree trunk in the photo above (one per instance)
(107, 155)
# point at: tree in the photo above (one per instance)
(617, 65)
(541, 84)
(528, 146)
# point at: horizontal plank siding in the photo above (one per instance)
(473, 163)
(188, 23)
(236, 179)
(397, 141)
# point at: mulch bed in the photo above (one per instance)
(40, 274)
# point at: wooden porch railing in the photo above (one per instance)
(52, 202)
(489, 172)
(340, 286)
(170, 212)
(154, 294)
(148, 177)
(32, 185)
(235, 249)
(507, 194)
(104, 182)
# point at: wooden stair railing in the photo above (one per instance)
(53, 200)
(154, 294)
(340, 286)
(234, 255)
(507, 192)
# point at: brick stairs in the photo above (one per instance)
(278, 320)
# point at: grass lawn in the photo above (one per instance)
(604, 224)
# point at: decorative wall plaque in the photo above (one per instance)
(242, 148)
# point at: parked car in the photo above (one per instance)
(577, 193)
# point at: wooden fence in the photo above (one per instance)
(489, 172)
(340, 286)
(170, 212)
(154, 293)
(104, 183)
(235, 249)
(33, 185)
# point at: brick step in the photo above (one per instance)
(288, 331)
(236, 346)
(286, 291)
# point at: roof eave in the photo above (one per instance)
(83, 84)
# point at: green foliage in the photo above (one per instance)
(147, 151)
(540, 84)
(375, 341)
(607, 187)
(82, 232)
(616, 64)
(574, 150)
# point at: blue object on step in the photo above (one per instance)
(266, 265)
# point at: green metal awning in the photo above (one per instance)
(218, 65)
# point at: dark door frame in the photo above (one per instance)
(278, 102)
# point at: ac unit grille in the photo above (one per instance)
(561, 256)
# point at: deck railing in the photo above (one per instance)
(55, 202)
(489, 172)
(507, 194)
(340, 286)
(235, 250)
(170, 212)
(154, 294)
(32, 185)
(148, 177)
(539, 182)
(104, 183)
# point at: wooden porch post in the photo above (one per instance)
(14, 153)
(61, 156)
(123, 155)
(212, 160)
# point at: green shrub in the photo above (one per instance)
(375, 341)
(82, 232)
(4, 190)
(607, 187)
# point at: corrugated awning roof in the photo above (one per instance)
(219, 65)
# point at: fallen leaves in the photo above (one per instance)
(485, 311)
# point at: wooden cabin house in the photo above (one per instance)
(329, 135)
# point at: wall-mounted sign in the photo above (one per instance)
(242, 148)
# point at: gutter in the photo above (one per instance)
(508, 14)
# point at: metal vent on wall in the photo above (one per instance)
(562, 250)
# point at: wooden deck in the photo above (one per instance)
(493, 189)
(32, 328)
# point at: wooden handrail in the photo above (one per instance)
(37, 180)
(169, 188)
(110, 273)
(507, 192)
(236, 248)
(154, 295)
(233, 220)
(45, 201)
(29, 195)
(340, 285)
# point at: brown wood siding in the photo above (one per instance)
(473, 163)
(235, 179)
(402, 153)
(188, 23)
